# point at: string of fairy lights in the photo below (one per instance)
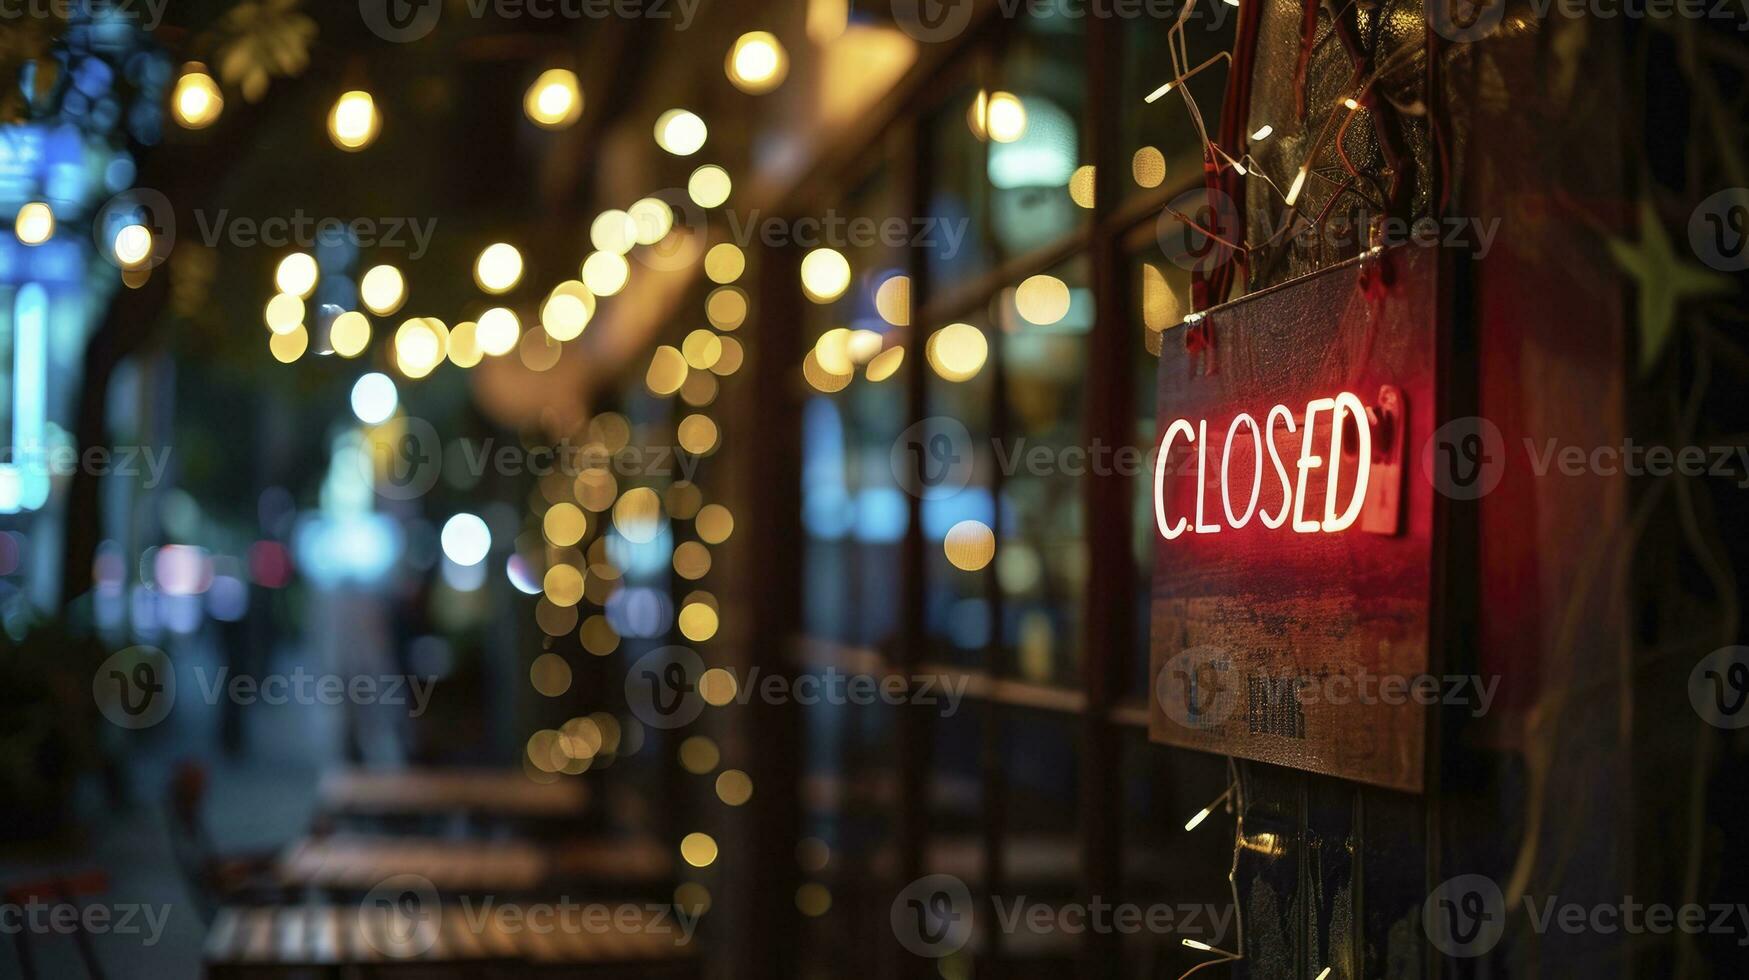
(572, 514)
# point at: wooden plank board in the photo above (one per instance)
(1264, 640)
(425, 791)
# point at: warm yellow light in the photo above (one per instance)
(133, 246)
(464, 345)
(832, 351)
(863, 345)
(692, 560)
(724, 263)
(382, 290)
(820, 379)
(698, 622)
(420, 345)
(285, 312)
(709, 186)
(734, 787)
(564, 524)
(697, 434)
(970, 545)
(680, 132)
(1148, 167)
(1005, 117)
(726, 307)
(714, 524)
(637, 515)
(499, 268)
(538, 351)
(296, 274)
(827, 20)
(554, 100)
(699, 755)
(563, 585)
(957, 351)
(653, 219)
(702, 349)
(353, 123)
(568, 310)
(1293, 192)
(596, 490)
(825, 275)
(613, 231)
(35, 223)
(885, 364)
(550, 675)
(1043, 300)
(605, 273)
(350, 333)
(717, 686)
(667, 371)
(700, 388)
(598, 636)
(289, 346)
(196, 101)
(497, 332)
(1081, 185)
(730, 360)
(757, 63)
(893, 300)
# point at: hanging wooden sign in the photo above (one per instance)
(1293, 558)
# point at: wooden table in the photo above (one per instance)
(423, 792)
(349, 862)
(304, 940)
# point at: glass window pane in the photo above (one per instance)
(1159, 139)
(1042, 562)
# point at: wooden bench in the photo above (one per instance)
(425, 792)
(309, 941)
(357, 863)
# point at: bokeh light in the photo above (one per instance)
(35, 223)
(465, 539)
(499, 268)
(374, 398)
(354, 122)
(350, 333)
(555, 100)
(382, 290)
(196, 101)
(497, 332)
(957, 351)
(757, 63)
(709, 186)
(825, 274)
(680, 132)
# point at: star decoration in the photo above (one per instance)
(1663, 280)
